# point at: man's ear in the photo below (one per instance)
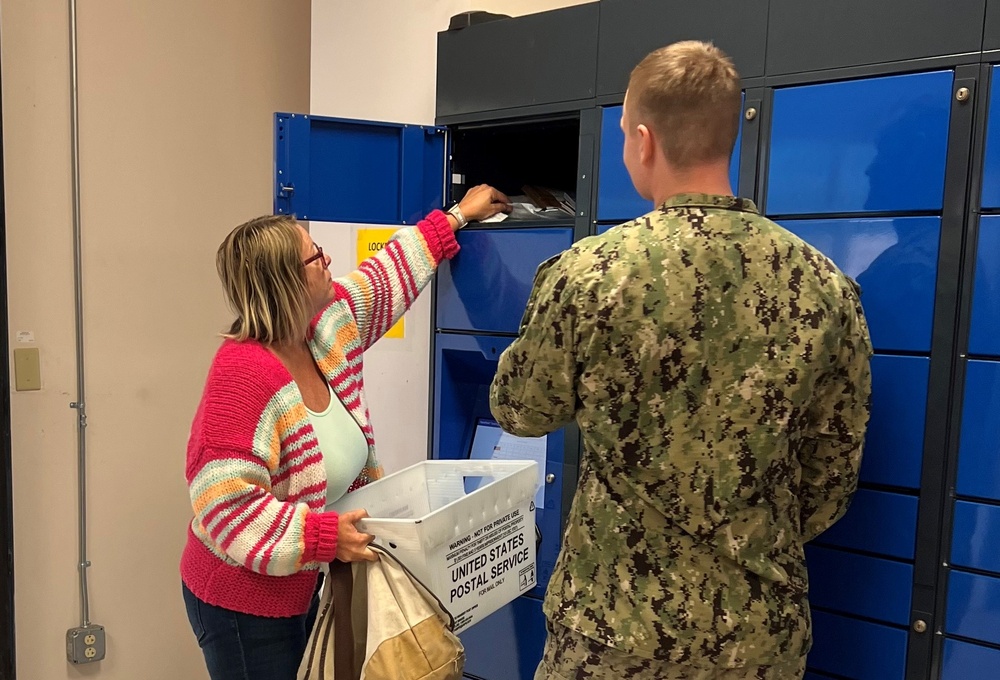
(647, 144)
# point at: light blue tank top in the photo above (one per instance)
(342, 444)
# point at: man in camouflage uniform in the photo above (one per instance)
(718, 369)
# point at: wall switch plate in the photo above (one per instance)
(27, 373)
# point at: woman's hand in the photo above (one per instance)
(352, 545)
(483, 201)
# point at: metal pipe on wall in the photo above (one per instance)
(80, 403)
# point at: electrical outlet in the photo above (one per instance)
(85, 644)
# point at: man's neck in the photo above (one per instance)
(712, 180)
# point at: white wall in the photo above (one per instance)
(378, 61)
(176, 103)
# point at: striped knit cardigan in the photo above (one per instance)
(254, 468)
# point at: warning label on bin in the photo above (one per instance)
(495, 561)
(527, 578)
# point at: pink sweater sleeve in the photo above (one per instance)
(321, 536)
(385, 285)
(231, 469)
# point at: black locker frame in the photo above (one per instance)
(7, 649)
(779, 43)
(978, 78)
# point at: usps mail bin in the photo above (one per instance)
(465, 528)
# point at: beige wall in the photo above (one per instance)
(377, 60)
(176, 101)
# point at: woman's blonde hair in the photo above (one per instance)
(260, 265)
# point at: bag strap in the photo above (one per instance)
(315, 658)
(378, 549)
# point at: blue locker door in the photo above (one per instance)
(974, 607)
(964, 661)
(975, 540)
(852, 648)
(984, 334)
(872, 145)
(338, 170)
(506, 645)
(894, 260)
(984, 338)
(882, 595)
(979, 451)
(486, 289)
(878, 522)
(991, 168)
(617, 199)
(893, 451)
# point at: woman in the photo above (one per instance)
(282, 430)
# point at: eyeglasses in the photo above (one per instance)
(317, 256)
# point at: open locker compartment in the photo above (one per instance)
(527, 159)
(357, 171)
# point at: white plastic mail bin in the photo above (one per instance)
(465, 528)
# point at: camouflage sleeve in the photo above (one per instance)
(534, 390)
(830, 454)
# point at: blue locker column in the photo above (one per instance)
(984, 338)
(617, 199)
(972, 623)
(856, 169)
(480, 299)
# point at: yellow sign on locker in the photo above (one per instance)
(370, 241)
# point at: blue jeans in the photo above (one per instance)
(246, 647)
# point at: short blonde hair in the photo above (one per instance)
(689, 95)
(260, 265)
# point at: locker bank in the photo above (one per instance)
(872, 131)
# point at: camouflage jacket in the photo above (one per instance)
(718, 369)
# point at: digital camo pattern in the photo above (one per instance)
(718, 368)
(571, 656)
